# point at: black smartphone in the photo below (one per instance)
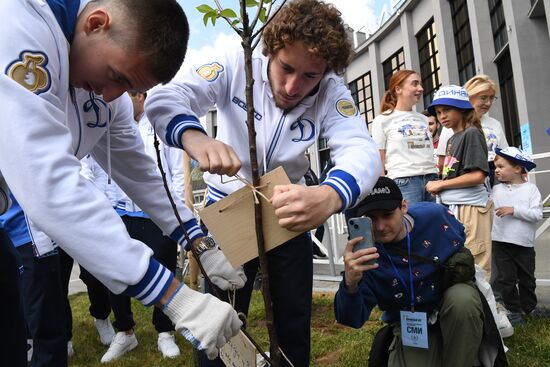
(361, 227)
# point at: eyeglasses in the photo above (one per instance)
(486, 99)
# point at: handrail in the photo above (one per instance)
(546, 223)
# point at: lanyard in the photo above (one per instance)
(411, 292)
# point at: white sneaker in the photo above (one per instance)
(166, 344)
(105, 330)
(503, 323)
(121, 344)
(70, 349)
(29, 350)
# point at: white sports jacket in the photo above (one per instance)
(282, 137)
(46, 127)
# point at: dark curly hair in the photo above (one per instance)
(318, 24)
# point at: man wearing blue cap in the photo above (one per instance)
(518, 208)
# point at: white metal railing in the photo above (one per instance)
(546, 223)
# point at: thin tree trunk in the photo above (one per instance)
(188, 192)
(247, 47)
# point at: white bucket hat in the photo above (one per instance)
(517, 156)
(451, 95)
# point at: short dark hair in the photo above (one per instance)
(161, 33)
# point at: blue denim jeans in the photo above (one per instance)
(413, 188)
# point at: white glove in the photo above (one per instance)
(220, 271)
(204, 320)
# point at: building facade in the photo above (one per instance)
(448, 42)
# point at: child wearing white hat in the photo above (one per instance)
(465, 167)
(518, 207)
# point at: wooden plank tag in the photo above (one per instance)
(238, 352)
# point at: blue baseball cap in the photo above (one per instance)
(451, 95)
(517, 156)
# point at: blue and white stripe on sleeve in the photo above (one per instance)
(214, 194)
(153, 285)
(177, 127)
(345, 185)
(193, 230)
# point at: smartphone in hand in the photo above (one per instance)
(361, 227)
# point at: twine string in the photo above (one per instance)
(254, 189)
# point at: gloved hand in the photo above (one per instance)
(204, 320)
(220, 271)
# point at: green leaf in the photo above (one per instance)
(263, 15)
(267, 1)
(228, 13)
(250, 3)
(205, 8)
(235, 22)
(211, 15)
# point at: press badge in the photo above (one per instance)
(414, 329)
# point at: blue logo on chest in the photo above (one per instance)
(242, 104)
(305, 127)
(97, 112)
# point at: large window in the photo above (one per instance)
(498, 25)
(463, 40)
(361, 91)
(394, 63)
(428, 53)
(508, 93)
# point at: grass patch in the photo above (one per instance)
(331, 344)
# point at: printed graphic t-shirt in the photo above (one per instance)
(466, 151)
(405, 137)
(494, 136)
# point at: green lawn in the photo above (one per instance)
(332, 344)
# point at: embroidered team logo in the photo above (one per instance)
(306, 127)
(210, 72)
(346, 108)
(97, 112)
(30, 71)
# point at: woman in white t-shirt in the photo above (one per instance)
(403, 137)
(482, 92)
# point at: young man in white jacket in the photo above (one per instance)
(142, 228)
(299, 98)
(64, 64)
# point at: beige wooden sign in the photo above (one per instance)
(231, 220)
(238, 352)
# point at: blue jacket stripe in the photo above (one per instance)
(215, 194)
(158, 288)
(177, 127)
(340, 190)
(275, 140)
(346, 186)
(152, 286)
(193, 230)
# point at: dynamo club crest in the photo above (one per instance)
(30, 71)
(210, 72)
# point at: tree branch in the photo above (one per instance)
(259, 31)
(220, 8)
(260, 7)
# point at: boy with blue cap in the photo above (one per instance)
(518, 207)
